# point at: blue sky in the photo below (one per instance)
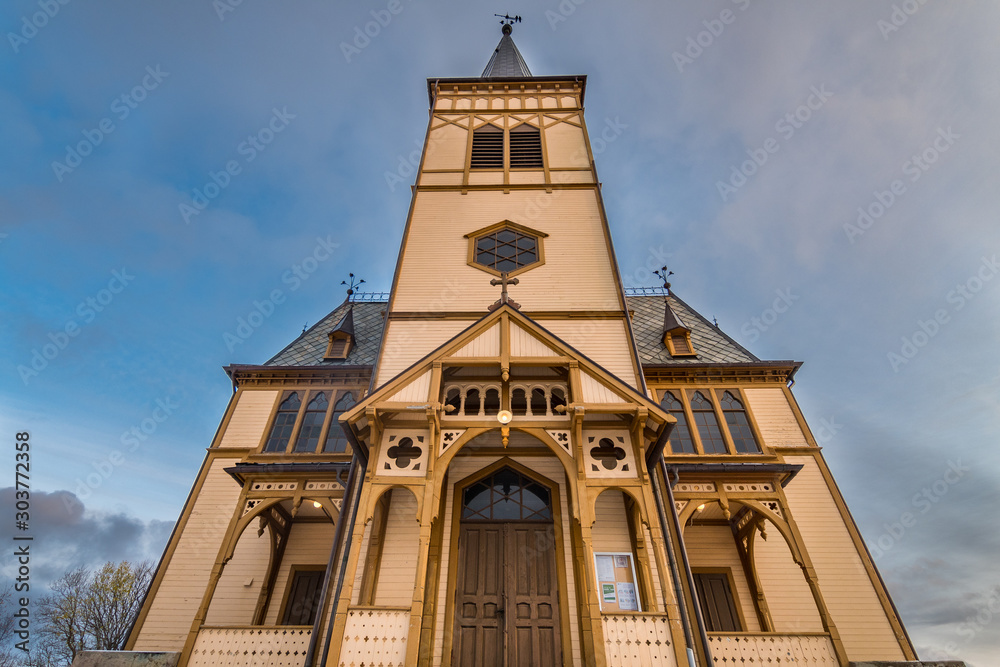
(742, 139)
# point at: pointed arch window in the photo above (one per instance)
(487, 148)
(680, 439)
(336, 441)
(284, 423)
(506, 495)
(739, 425)
(707, 424)
(312, 423)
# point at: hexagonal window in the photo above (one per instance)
(505, 248)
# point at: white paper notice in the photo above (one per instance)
(605, 568)
(622, 561)
(626, 597)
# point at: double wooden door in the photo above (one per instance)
(507, 596)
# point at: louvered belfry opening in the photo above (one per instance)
(525, 147)
(487, 148)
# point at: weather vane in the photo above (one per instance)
(353, 284)
(663, 273)
(507, 19)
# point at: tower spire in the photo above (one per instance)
(506, 61)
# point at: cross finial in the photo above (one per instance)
(663, 273)
(354, 283)
(503, 281)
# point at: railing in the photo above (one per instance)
(369, 297)
(251, 646)
(638, 639)
(746, 649)
(646, 291)
(375, 636)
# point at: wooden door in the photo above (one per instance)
(507, 597)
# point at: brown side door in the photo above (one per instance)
(507, 603)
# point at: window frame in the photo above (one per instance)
(307, 394)
(733, 596)
(714, 394)
(500, 226)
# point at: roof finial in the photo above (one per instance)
(663, 273)
(354, 283)
(507, 21)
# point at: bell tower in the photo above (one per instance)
(507, 185)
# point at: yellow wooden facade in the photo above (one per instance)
(382, 522)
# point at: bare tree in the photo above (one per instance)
(113, 599)
(63, 615)
(7, 626)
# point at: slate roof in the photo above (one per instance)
(710, 343)
(506, 61)
(309, 348)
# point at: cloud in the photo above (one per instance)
(67, 535)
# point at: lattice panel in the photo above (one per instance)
(637, 640)
(775, 507)
(375, 637)
(773, 649)
(687, 487)
(403, 453)
(274, 486)
(608, 454)
(251, 647)
(756, 487)
(449, 438)
(679, 505)
(323, 486)
(564, 440)
(253, 502)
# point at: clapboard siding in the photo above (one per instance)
(239, 587)
(436, 242)
(774, 417)
(610, 531)
(604, 341)
(847, 589)
(186, 577)
(408, 341)
(253, 409)
(308, 544)
(565, 146)
(416, 391)
(595, 392)
(714, 546)
(523, 344)
(446, 147)
(792, 606)
(398, 569)
(486, 344)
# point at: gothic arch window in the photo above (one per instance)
(336, 441)
(739, 425)
(312, 423)
(506, 495)
(680, 439)
(707, 424)
(284, 423)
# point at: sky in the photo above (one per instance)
(819, 176)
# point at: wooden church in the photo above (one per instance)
(530, 466)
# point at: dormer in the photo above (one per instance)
(341, 339)
(676, 335)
